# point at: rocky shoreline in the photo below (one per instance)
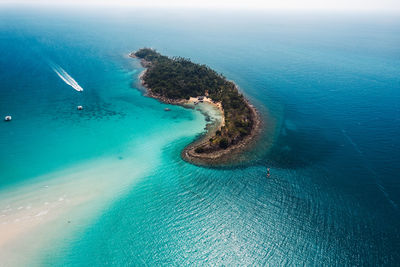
(223, 156)
(215, 158)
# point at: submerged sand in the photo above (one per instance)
(219, 157)
(40, 214)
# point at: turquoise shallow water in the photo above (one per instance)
(328, 87)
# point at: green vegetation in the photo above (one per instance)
(199, 150)
(179, 78)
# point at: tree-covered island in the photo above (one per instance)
(177, 79)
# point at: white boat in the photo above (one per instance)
(7, 118)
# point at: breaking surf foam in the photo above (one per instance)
(66, 77)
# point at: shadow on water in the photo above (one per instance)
(298, 148)
(293, 148)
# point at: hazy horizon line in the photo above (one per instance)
(177, 5)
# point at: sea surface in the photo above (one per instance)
(106, 185)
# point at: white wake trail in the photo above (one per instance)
(66, 77)
(377, 179)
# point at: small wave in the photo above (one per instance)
(42, 213)
(65, 77)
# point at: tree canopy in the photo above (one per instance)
(179, 78)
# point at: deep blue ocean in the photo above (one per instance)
(327, 86)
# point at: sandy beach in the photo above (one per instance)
(34, 215)
(223, 156)
(216, 158)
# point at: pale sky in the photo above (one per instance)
(362, 5)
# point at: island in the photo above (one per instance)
(179, 81)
